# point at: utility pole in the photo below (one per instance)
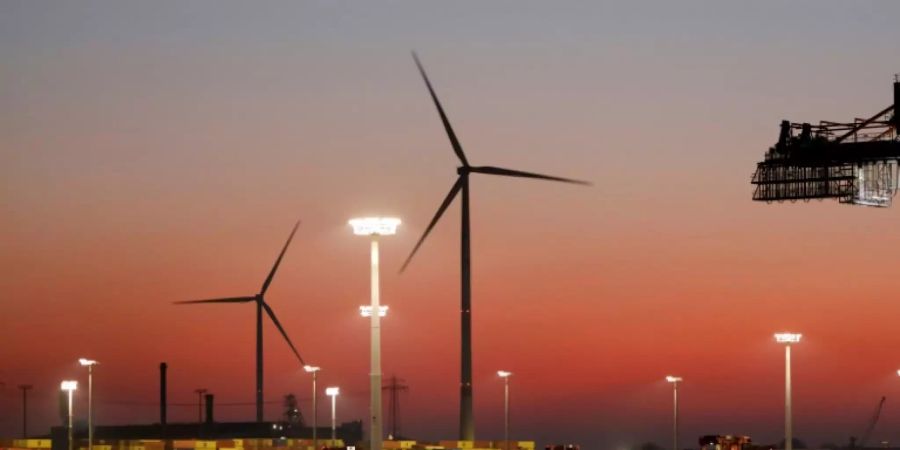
(25, 388)
(394, 388)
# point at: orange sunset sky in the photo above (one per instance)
(152, 152)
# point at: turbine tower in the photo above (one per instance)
(261, 305)
(466, 419)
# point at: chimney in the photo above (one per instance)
(162, 393)
(209, 408)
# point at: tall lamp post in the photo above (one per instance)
(675, 381)
(89, 363)
(375, 227)
(787, 339)
(505, 375)
(333, 393)
(315, 411)
(25, 388)
(69, 386)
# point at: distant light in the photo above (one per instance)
(87, 362)
(672, 379)
(788, 338)
(332, 391)
(381, 226)
(311, 369)
(503, 373)
(366, 311)
(68, 385)
(898, 373)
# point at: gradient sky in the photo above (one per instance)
(160, 151)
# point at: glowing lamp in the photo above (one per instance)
(311, 369)
(672, 379)
(87, 362)
(366, 311)
(788, 338)
(68, 385)
(503, 373)
(381, 226)
(332, 391)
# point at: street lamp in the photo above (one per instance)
(375, 227)
(200, 392)
(89, 363)
(505, 375)
(315, 412)
(675, 380)
(69, 386)
(787, 339)
(333, 393)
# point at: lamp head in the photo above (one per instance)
(503, 374)
(673, 379)
(381, 226)
(366, 310)
(332, 391)
(788, 338)
(68, 385)
(87, 362)
(311, 369)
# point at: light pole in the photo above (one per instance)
(375, 227)
(333, 393)
(674, 380)
(25, 388)
(69, 386)
(315, 412)
(199, 392)
(89, 363)
(505, 375)
(787, 339)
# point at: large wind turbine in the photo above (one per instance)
(466, 419)
(260, 306)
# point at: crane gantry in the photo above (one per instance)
(855, 162)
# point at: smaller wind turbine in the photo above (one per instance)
(260, 306)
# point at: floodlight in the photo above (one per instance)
(87, 362)
(788, 338)
(672, 379)
(311, 369)
(503, 373)
(381, 226)
(332, 391)
(68, 385)
(366, 311)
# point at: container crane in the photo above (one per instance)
(870, 426)
(854, 162)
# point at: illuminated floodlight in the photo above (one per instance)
(503, 373)
(366, 310)
(332, 391)
(87, 362)
(788, 338)
(672, 379)
(68, 385)
(311, 369)
(380, 226)
(898, 373)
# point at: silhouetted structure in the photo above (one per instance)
(261, 305)
(25, 388)
(163, 392)
(870, 426)
(854, 162)
(466, 416)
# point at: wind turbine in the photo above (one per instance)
(261, 305)
(466, 419)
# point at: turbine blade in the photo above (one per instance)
(447, 200)
(268, 281)
(218, 300)
(520, 174)
(453, 141)
(281, 329)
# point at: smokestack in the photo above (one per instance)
(163, 402)
(209, 408)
